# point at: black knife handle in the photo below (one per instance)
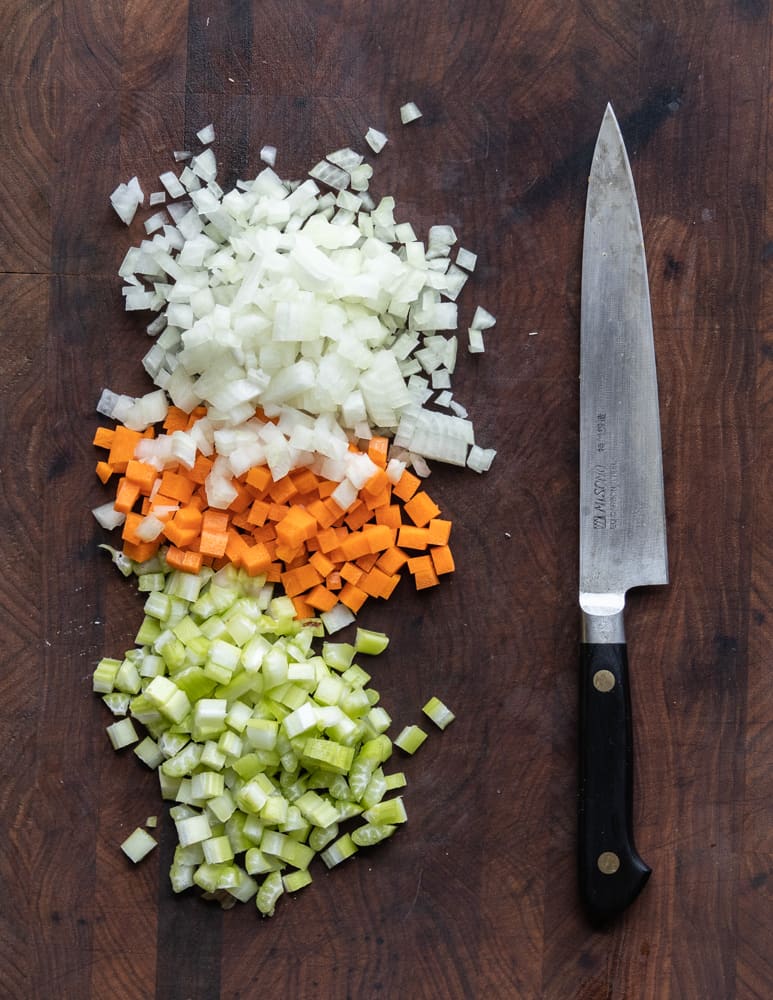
(611, 873)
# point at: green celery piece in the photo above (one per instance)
(395, 780)
(213, 627)
(171, 744)
(439, 713)
(228, 877)
(356, 676)
(274, 668)
(247, 766)
(330, 690)
(239, 832)
(170, 701)
(241, 684)
(148, 752)
(388, 811)
(187, 630)
(127, 678)
(339, 787)
(261, 733)
(321, 836)
(293, 881)
(193, 830)
(356, 703)
(181, 876)
(122, 734)
(186, 586)
(196, 650)
(138, 845)
(292, 782)
(375, 791)
(151, 665)
(168, 786)
(369, 642)
(241, 628)
(117, 702)
(300, 646)
(122, 562)
(295, 826)
(149, 582)
(183, 812)
(282, 610)
(272, 842)
(258, 863)
(191, 855)
(246, 887)
(217, 850)
(339, 851)
(184, 792)
(360, 775)
(217, 672)
(371, 833)
(207, 785)
(253, 653)
(347, 809)
(212, 756)
(184, 762)
(209, 718)
(158, 605)
(269, 892)
(274, 809)
(204, 607)
(254, 794)
(222, 596)
(317, 809)
(171, 649)
(156, 564)
(211, 877)
(293, 697)
(148, 632)
(230, 745)
(104, 675)
(410, 739)
(295, 854)
(195, 683)
(338, 655)
(222, 806)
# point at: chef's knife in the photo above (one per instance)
(622, 515)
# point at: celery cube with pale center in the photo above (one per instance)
(329, 754)
(209, 717)
(122, 734)
(138, 844)
(193, 829)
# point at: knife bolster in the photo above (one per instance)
(602, 618)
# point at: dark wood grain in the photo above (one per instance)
(477, 897)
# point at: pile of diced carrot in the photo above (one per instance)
(291, 530)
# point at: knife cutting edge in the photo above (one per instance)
(622, 515)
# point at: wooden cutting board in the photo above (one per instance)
(476, 897)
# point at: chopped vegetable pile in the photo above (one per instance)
(266, 489)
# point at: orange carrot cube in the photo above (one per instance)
(421, 508)
(442, 559)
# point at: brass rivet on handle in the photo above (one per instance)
(603, 680)
(608, 863)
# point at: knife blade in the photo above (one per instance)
(622, 515)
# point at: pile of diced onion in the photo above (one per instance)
(318, 307)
